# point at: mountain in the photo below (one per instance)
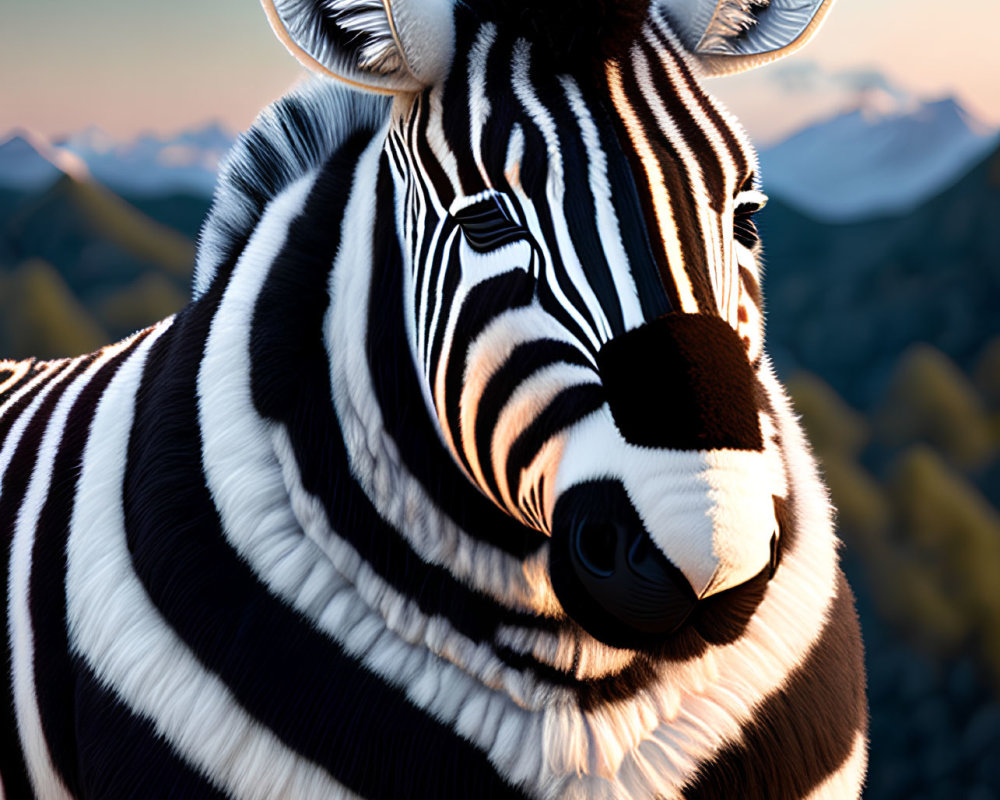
(23, 167)
(877, 159)
(80, 266)
(146, 167)
(149, 165)
(845, 300)
(97, 240)
(40, 315)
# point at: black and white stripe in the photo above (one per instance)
(302, 539)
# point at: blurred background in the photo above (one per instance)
(880, 152)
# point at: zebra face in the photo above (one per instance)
(582, 294)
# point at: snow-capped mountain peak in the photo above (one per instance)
(148, 165)
(152, 165)
(877, 158)
(28, 162)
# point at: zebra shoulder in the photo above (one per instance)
(292, 136)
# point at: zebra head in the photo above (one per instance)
(574, 216)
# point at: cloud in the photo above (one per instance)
(808, 77)
(779, 100)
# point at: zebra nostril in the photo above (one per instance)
(642, 559)
(775, 556)
(596, 545)
(609, 575)
(620, 569)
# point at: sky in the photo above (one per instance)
(129, 66)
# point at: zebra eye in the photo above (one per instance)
(487, 225)
(748, 203)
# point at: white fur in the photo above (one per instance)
(557, 188)
(607, 218)
(132, 650)
(49, 369)
(18, 369)
(661, 199)
(478, 102)
(44, 778)
(848, 780)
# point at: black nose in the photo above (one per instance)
(608, 574)
(624, 572)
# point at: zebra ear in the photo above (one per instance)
(728, 36)
(383, 45)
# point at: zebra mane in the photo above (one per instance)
(294, 135)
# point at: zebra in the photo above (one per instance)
(465, 472)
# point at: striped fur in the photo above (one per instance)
(295, 541)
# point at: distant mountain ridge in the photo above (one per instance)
(23, 167)
(81, 266)
(29, 163)
(147, 166)
(883, 157)
(872, 161)
(151, 165)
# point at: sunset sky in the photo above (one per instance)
(133, 65)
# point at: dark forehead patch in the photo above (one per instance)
(571, 33)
